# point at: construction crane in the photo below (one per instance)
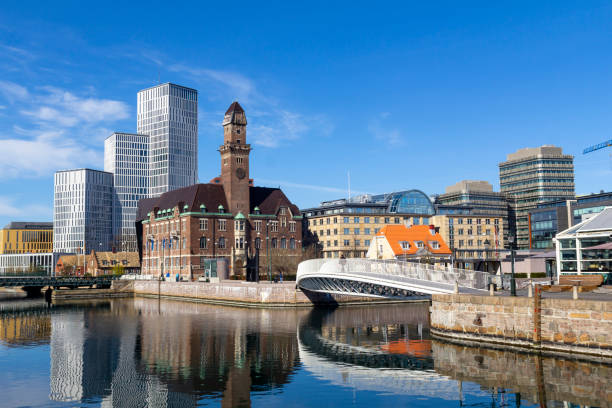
(597, 147)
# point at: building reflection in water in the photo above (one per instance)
(151, 353)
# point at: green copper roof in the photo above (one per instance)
(239, 216)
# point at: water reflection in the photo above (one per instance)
(146, 352)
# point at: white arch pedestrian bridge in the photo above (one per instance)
(387, 278)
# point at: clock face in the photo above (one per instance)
(240, 173)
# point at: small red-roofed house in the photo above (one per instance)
(418, 243)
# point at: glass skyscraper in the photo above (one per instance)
(82, 211)
(126, 155)
(168, 114)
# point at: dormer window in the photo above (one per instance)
(419, 244)
(405, 245)
(434, 244)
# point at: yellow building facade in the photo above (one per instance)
(351, 235)
(26, 238)
(477, 242)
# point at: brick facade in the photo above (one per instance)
(227, 218)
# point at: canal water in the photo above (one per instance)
(162, 353)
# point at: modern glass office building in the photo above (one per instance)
(126, 156)
(532, 176)
(168, 114)
(82, 211)
(551, 217)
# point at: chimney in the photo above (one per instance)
(432, 230)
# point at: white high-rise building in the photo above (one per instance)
(126, 156)
(82, 211)
(168, 113)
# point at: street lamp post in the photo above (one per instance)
(512, 280)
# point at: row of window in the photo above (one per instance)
(347, 243)
(367, 220)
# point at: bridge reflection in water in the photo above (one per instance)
(146, 352)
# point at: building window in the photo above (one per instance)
(240, 243)
(283, 211)
(335, 242)
(284, 243)
(203, 243)
(274, 243)
(346, 220)
(366, 231)
(274, 226)
(221, 243)
(434, 244)
(347, 231)
(478, 221)
(460, 243)
(357, 242)
(366, 220)
(469, 221)
(347, 242)
(222, 225)
(459, 231)
(335, 220)
(366, 242)
(460, 221)
(387, 219)
(292, 226)
(257, 243)
(405, 245)
(356, 231)
(488, 221)
(292, 243)
(356, 220)
(419, 244)
(257, 225)
(396, 220)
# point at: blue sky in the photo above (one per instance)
(403, 95)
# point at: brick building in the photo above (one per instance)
(228, 218)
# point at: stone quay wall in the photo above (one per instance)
(564, 326)
(243, 293)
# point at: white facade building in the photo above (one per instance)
(82, 211)
(168, 113)
(126, 156)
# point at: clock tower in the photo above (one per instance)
(235, 160)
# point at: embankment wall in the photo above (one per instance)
(553, 325)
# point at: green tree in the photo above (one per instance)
(118, 270)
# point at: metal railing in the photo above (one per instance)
(395, 268)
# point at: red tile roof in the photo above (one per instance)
(398, 233)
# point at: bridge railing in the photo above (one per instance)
(391, 268)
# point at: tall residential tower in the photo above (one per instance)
(126, 156)
(532, 176)
(82, 211)
(168, 114)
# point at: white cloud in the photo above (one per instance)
(315, 187)
(389, 135)
(9, 208)
(44, 154)
(67, 110)
(13, 91)
(238, 86)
